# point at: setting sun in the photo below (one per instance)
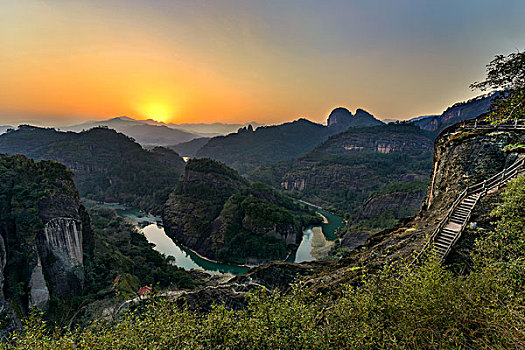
(159, 111)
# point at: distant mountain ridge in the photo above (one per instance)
(4, 128)
(454, 114)
(351, 167)
(108, 166)
(249, 148)
(150, 132)
(145, 132)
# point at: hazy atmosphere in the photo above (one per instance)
(64, 62)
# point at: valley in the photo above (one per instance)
(259, 175)
(220, 237)
(153, 230)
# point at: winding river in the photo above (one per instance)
(153, 229)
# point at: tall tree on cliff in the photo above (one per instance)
(505, 73)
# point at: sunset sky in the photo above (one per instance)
(63, 62)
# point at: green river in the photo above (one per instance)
(153, 229)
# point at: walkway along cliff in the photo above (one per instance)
(472, 163)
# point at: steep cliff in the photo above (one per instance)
(44, 233)
(221, 216)
(462, 157)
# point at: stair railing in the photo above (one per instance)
(481, 187)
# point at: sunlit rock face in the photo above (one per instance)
(63, 237)
(44, 233)
(38, 291)
(60, 246)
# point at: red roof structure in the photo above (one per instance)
(144, 290)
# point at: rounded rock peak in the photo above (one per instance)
(339, 116)
(362, 111)
(340, 110)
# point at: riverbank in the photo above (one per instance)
(321, 247)
(325, 219)
(331, 225)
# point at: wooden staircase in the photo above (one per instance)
(453, 224)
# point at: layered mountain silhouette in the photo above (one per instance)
(249, 148)
(151, 133)
(108, 166)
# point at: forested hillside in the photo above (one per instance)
(108, 166)
(221, 216)
(423, 306)
(351, 168)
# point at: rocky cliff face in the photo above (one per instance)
(218, 214)
(464, 158)
(44, 233)
(461, 158)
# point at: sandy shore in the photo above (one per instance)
(320, 245)
(325, 219)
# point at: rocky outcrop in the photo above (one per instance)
(60, 246)
(341, 119)
(42, 235)
(465, 157)
(462, 157)
(38, 291)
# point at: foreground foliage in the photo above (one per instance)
(419, 307)
(505, 73)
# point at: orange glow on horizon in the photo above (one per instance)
(205, 62)
(159, 111)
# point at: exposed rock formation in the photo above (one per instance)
(60, 246)
(42, 235)
(341, 119)
(462, 158)
(39, 293)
